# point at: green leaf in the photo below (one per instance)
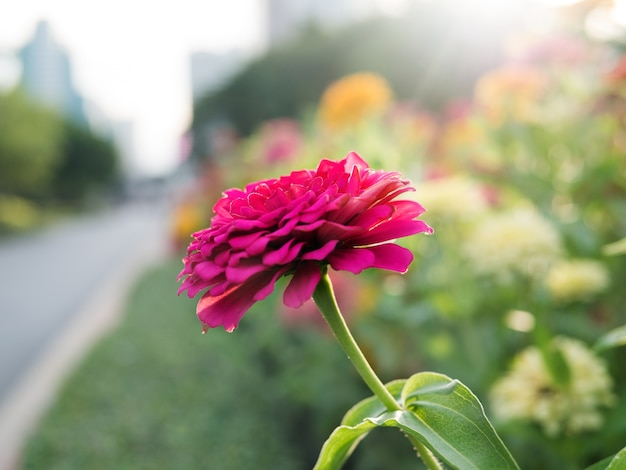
(614, 462)
(448, 419)
(601, 465)
(619, 461)
(340, 445)
(612, 339)
(439, 412)
(344, 439)
(372, 407)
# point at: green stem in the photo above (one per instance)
(553, 358)
(426, 455)
(325, 300)
(324, 297)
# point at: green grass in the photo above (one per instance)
(156, 394)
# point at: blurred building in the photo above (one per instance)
(123, 134)
(47, 75)
(209, 71)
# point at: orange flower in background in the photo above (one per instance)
(353, 98)
(511, 91)
(186, 219)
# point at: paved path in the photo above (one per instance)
(60, 290)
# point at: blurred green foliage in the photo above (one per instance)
(157, 394)
(521, 179)
(430, 55)
(89, 162)
(30, 146)
(47, 161)
(525, 186)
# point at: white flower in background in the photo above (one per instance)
(517, 242)
(577, 279)
(529, 393)
(454, 199)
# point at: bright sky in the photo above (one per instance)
(132, 57)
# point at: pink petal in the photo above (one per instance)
(354, 182)
(187, 269)
(391, 256)
(243, 241)
(316, 210)
(354, 260)
(333, 231)
(269, 288)
(258, 246)
(391, 230)
(244, 270)
(354, 205)
(221, 286)
(321, 253)
(246, 224)
(302, 284)
(192, 285)
(326, 167)
(285, 254)
(208, 270)
(372, 216)
(309, 227)
(353, 159)
(285, 229)
(228, 308)
(407, 209)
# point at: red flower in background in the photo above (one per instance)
(618, 73)
(344, 214)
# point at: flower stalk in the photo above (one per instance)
(325, 300)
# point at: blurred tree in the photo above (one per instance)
(47, 158)
(431, 55)
(88, 163)
(30, 138)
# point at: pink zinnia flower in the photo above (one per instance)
(343, 214)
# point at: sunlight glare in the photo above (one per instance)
(558, 3)
(487, 12)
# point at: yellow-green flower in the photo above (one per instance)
(529, 393)
(577, 279)
(353, 98)
(454, 199)
(517, 242)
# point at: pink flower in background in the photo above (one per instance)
(557, 49)
(344, 214)
(281, 140)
